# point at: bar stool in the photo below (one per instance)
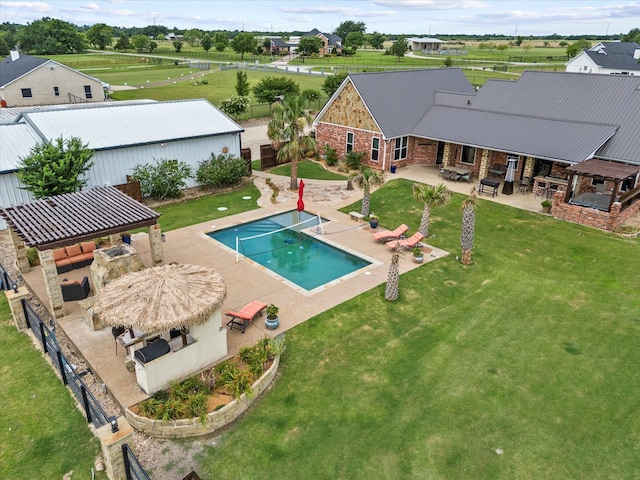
(116, 332)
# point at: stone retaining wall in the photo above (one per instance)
(193, 427)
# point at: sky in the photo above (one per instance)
(415, 17)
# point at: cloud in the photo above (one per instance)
(432, 4)
(38, 7)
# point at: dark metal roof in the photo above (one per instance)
(602, 168)
(399, 99)
(545, 138)
(334, 40)
(75, 217)
(11, 70)
(613, 61)
(573, 97)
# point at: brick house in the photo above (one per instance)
(545, 125)
(27, 81)
(329, 41)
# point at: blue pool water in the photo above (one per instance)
(296, 256)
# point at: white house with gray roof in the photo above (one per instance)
(617, 58)
(123, 135)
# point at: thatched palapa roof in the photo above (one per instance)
(160, 298)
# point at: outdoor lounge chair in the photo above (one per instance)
(412, 241)
(245, 315)
(387, 235)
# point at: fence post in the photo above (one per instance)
(85, 403)
(111, 443)
(15, 304)
(44, 339)
(63, 374)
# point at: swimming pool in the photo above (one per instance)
(291, 253)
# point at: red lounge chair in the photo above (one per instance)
(410, 242)
(387, 235)
(245, 314)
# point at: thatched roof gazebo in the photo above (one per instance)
(157, 300)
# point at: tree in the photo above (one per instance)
(140, 42)
(399, 47)
(152, 46)
(163, 180)
(244, 43)
(54, 168)
(354, 40)
(242, 84)
(526, 47)
(50, 36)
(503, 47)
(345, 28)
(309, 45)
(376, 40)
(193, 37)
(235, 106)
(448, 62)
(310, 95)
(577, 47)
(332, 83)
(123, 43)
(392, 290)
(100, 35)
(269, 89)
(519, 40)
(289, 128)
(432, 197)
(366, 178)
(177, 46)
(632, 36)
(468, 226)
(220, 39)
(206, 43)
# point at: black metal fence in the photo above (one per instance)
(132, 466)
(6, 282)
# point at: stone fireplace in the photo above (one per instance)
(111, 263)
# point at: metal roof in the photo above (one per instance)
(116, 125)
(16, 141)
(75, 217)
(570, 142)
(399, 99)
(573, 97)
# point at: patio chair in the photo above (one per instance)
(412, 241)
(245, 315)
(387, 235)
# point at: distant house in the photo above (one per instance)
(330, 41)
(618, 58)
(575, 137)
(425, 45)
(277, 46)
(27, 80)
(122, 136)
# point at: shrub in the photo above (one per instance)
(32, 256)
(235, 106)
(269, 88)
(221, 171)
(330, 155)
(353, 159)
(311, 95)
(196, 405)
(163, 180)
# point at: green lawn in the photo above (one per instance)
(523, 365)
(44, 435)
(307, 169)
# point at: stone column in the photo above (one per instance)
(155, 242)
(21, 252)
(115, 239)
(15, 304)
(484, 163)
(50, 274)
(111, 444)
(528, 167)
(446, 155)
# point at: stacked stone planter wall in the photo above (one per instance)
(193, 427)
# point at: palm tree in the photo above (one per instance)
(468, 226)
(392, 290)
(289, 130)
(432, 197)
(366, 178)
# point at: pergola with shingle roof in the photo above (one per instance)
(70, 218)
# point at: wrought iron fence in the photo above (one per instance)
(6, 282)
(132, 466)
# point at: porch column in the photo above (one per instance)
(115, 239)
(111, 444)
(446, 155)
(528, 167)
(15, 304)
(50, 274)
(484, 163)
(21, 252)
(155, 242)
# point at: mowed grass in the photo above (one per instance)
(44, 435)
(308, 169)
(523, 365)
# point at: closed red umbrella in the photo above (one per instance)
(300, 192)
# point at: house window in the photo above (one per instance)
(468, 155)
(26, 93)
(56, 91)
(400, 149)
(87, 91)
(585, 68)
(595, 181)
(349, 141)
(375, 149)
